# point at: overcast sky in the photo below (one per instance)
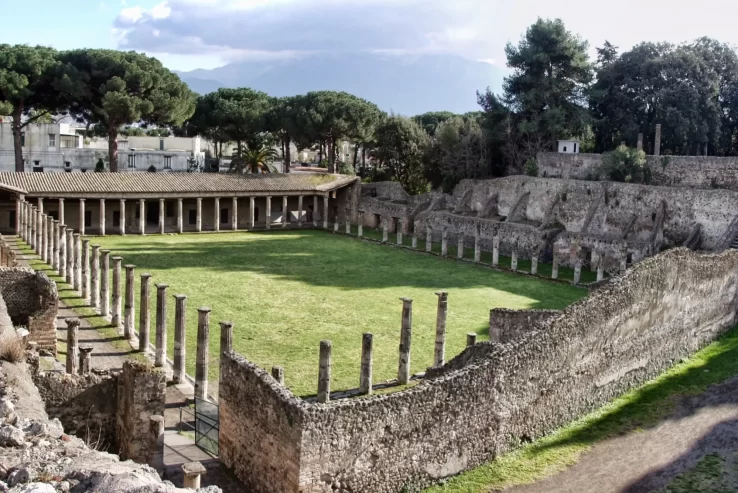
(188, 34)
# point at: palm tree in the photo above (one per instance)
(254, 161)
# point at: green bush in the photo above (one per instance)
(100, 166)
(626, 164)
(531, 167)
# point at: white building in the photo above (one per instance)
(569, 146)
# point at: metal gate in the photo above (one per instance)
(206, 424)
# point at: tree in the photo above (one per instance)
(240, 114)
(209, 123)
(551, 74)
(112, 88)
(283, 120)
(258, 160)
(400, 147)
(458, 151)
(27, 83)
(626, 164)
(431, 120)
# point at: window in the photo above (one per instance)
(52, 140)
(161, 144)
(167, 162)
(192, 216)
(88, 219)
(224, 216)
(564, 148)
(68, 166)
(11, 218)
(131, 160)
(37, 168)
(68, 141)
(23, 139)
(170, 208)
(575, 147)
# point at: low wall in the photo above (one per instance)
(509, 325)
(490, 397)
(31, 299)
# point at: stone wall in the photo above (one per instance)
(31, 299)
(490, 397)
(509, 325)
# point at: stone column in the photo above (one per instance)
(72, 349)
(198, 226)
(142, 216)
(192, 472)
(180, 338)
(414, 240)
(601, 268)
(82, 216)
(18, 217)
(278, 374)
(471, 339)
(360, 227)
(494, 330)
(324, 372)
(439, 353)
(348, 221)
(55, 245)
(102, 217)
(594, 261)
(95, 278)
(122, 217)
(444, 242)
(477, 246)
(398, 227)
(385, 230)
(639, 145)
(325, 212)
(44, 240)
(85, 360)
(144, 324)
(315, 211)
(156, 443)
(460, 247)
(105, 283)
(555, 267)
(116, 319)
(216, 214)
(299, 211)
(203, 353)
(70, 257)
(514, 258)
(496, 250)
(234, 214)
(534, 264)
(285, 212)
(62, 251)
(428, 239)
(365, 378)
(50, 239)
(161, 325)
(268, 217)
(252, 216)
(226, 337)
(657, 141)
(162, 213)
(577, 271)
(77, 275)
(403, 369)
(180, 222)
(39, 229)
(61, 211)
(130, 302)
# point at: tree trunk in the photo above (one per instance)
(286, 154)
(239, 147)
(363, 161)
(356, 157)
(17, 147)
(320, 152)
(113, 148)
(331, 155)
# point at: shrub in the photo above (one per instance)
(152, 169)
(626, 164)
(12, 348)
(531, 167)
(100, 166)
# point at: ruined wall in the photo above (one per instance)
(625, 332)
(31, 299)
(509, 325)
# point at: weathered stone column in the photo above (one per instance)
(82, 216)
(577, 271)
(624, 262)
(180, 338)
(77, 276)
(639, 145)
(278, 374)
(203, 353)
(50, 240)
(226, 337)
(62, 251)
(496, 250)
(385, 230)
(460, 247)
(360, 226)
(18, 217)
(44, 239)
(116, 318)
(324, 372)
(95, 277)
(122, 217)
(657, 141)
(439, 354)
(61, 211)
(325, 212)
(471, 339)
(192, 472)
(156, 443)
(72, 342)
(398, 227)
(198, 222)
(514, 258)
(180, 222)
(285, 212)
(70, 257)
(555, 267)
(142, 217)
(534, 263)
(477, 245)
(144, 324)
(348, 221)
(299, 211)
(444, 242)
(55, 245)
(130, 302)
(234, 214)
(85, 360)
(428, 239)
(365, 377)
(40, 225)
(162, 214)
(268, 218)
(105, 283)
(102, 217)
(403, 369)
(494, 330)
(252, 216)
(160, 359)
(216, 214)
(594, 261)
(315, 211)
(601, 268)
(414, 240)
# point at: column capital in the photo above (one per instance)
(122, 200)
(204, 309)
(145, 275)
(129, 266)
(81, 200)
(179, 297)
(61, 199)
(162, 286)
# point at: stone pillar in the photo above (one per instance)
(315, 211)
(514, 258)
(180, 222)
(601, 268)
(162, 214)
(324, 372)
(496, 251)
(85, 360)
(365, 378)
(252, 217)
(156, 443)
(77, 277)
(398, 227)
(555, 267)
(95, 278)
(639, 145)
(40, 225)
(63, 251)
(414, 241)
(216, 214)
(534, 263)
(161, 325)
(105, 283)
(477, 245)
(72, 341)
(299, 211)
(116, 318)
(624, 262)
(55, 245)
(348, 221)
(657, 141)
(471, 339)
(192, 472)
(144, 324)
(180, 338)
(130, 302)
(102, 217)
(444, 242)
(234, 214)
(268, 217)
(49, 240)
(360, 226)
(577, 271)
(226, 337)
(494, 330)
(123, 217)
(141, 217)
(460, 247)
(82, 216)
(285, 212)
(428, 239)
(198, 226)
(325, 212)
(203, 353)
(61, 211)
(70, 257)
(439, 352)
(403, 369)
(278, 374)
(385, 230)
(44, 239)
(594, 261)
(18, 216)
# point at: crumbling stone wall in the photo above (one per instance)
(509, 325)
(31, 299)
(7, 255)
(486, 400)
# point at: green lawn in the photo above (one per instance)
(287, 290)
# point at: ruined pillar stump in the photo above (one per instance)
(202, 362)
(403, 369)
(439, 351)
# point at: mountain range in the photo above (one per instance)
(403, 84)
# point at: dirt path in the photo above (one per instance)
(649, 460)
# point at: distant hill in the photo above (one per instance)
(407, 85)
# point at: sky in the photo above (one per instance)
(190, 34)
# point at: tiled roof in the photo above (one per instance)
(169, 183)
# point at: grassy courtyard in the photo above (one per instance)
(287, 290)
